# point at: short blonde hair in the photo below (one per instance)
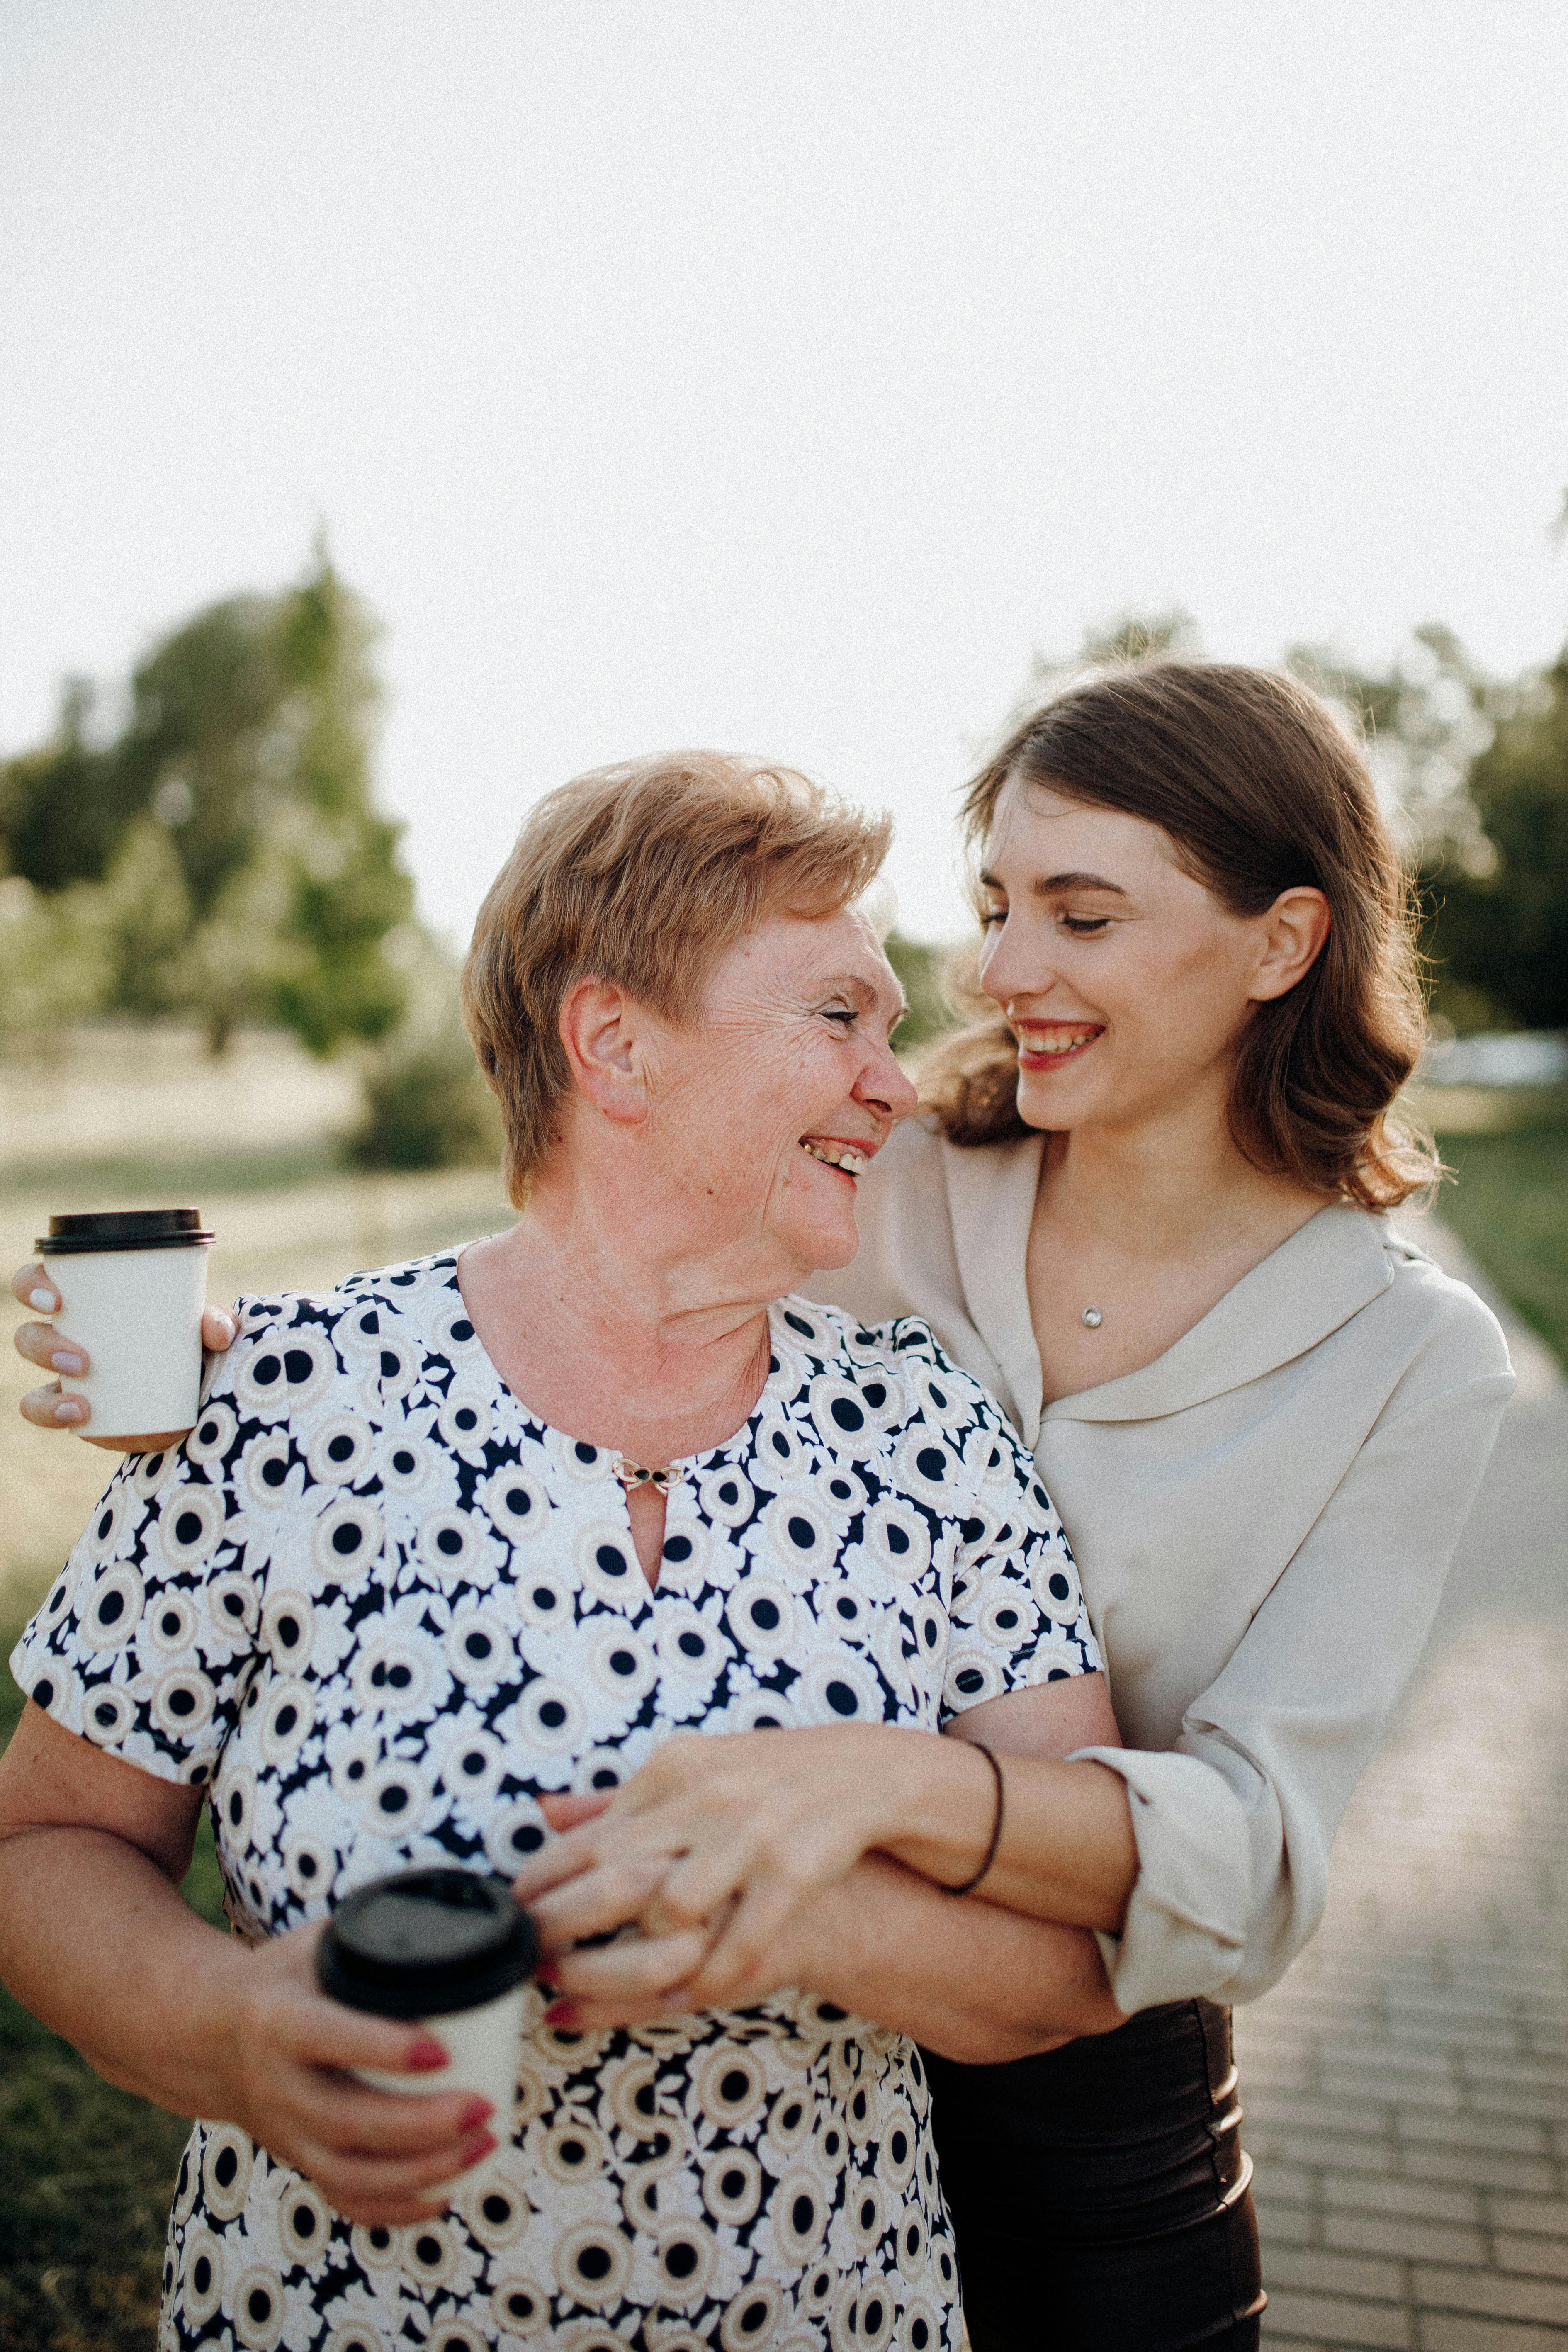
(644, 875)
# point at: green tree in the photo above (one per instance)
(1503, 931)
(230, 828)
(1475, 769)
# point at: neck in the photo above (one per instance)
(1173, 1180)
(610, 1323)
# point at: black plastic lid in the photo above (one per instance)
(124, 1229)
(423, 1943)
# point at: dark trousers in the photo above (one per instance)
(1099, 2194)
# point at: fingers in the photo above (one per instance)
(218, 1327)
(359, 2121)
(567, 1813)
(364, 2187)
(31, 1287)
(306, 2027)
(591, 1846)
(639, 1971)
(51, 1408)
(43, 1345)
(595, 1903)
(735, 1971)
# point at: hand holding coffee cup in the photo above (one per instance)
(450, 1948)
(275, 2056)
(126, 1288)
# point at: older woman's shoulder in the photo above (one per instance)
(293, 1343)
(902, 1350)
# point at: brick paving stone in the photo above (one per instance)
(1335, 2115)
(1546, 2257)
(1484, 2167)
(1292, 2184)
(1447, 2331)
(1528, 2074)
(1286, 2225)
(1406, 2087)
(1340, 2320)
(1404, 2235)
(1325, 2274)
(1494, 2295)
(1515, 2134)
(1425, 2199)
(1548, 2216)
(1321, 2148)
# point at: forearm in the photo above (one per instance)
(103, 1949)
(973, 1982)
(1066, 1851)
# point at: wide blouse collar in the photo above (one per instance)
(1328, 1270)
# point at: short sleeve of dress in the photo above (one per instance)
(1017, 1616)
(148, 1638)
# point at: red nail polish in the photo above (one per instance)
(475, 2150)
(548, 1972)
(562, 2012)
(425, 2055)
(477, 2111)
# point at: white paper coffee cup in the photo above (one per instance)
(482, 2046)
(450, 1950)
(132, 1284)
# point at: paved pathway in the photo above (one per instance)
(1406, 2086)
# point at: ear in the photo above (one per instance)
(1295, 928)
(597, 1026)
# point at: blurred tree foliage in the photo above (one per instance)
(222, 855)
(425, 1105)
(920, 970)
(1475, 769)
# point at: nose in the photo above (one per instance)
(1012, 964)
(883, 1088)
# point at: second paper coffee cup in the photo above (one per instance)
(131, 1283)
(450, 1949)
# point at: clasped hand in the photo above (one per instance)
(720, 1852)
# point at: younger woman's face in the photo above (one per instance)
(1126, 982)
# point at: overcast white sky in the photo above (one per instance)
(774, 374)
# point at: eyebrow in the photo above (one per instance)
(853, 985)
(1077, 879)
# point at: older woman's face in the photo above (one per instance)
(768, 1106)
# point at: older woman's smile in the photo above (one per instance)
(852, 1159)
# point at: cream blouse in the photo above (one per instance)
(1263, 1519)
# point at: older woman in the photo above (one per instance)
(478, 1531)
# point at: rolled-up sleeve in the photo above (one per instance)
(1234, 1822)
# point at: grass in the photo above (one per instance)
(87, 2172)
(1509, 1199)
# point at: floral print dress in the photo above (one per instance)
(376, 1609)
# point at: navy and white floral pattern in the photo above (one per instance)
(378, 1610)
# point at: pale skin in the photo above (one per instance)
(1129, 985)
(628, 1306)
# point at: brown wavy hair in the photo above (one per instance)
(1260, 790)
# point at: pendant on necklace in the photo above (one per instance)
(632, 1475)
(1093, 1317)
